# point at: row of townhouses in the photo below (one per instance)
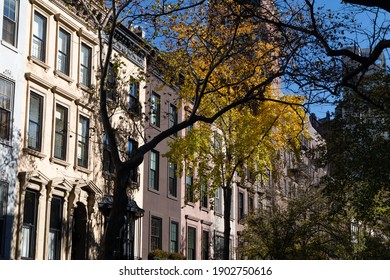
(55, 166)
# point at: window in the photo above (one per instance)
(189, 187)
(218, 247)
(191, 243)
(218, 201)
(6, 97)
(54, 241)
(39, 37)
(134, 105)
(155, 110)
(63, 51)
(174, 237)
(172, 184)
(3, 213)
(83, 142)
(132, 146)
(155, 233)
(251, 203)
(61, 132)
(154, 166)
(29, 224)
(204, 197)
(172, 115)
(85, 65)
(205, 245)
(10, 21)
(241, 210)
(35, 122)
(108, 165)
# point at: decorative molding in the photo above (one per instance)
(60, 162)
(38, 80)
(192, 218)
(82, 33)
(63, 93)
(43, 6)
(63, 76)
(40, 63)
(34, 153)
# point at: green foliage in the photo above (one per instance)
(158, 255)
(303, 230)
(163, 255)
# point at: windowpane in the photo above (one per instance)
(83, 141)
(55, 228)
(155, 110)
(191, 243)
(35, 122)
(204, 196)
(29, 224)
(39, 37)
(3, 212)
(134, 104)
(172, 180)
(108, 166)
(6, 96)
(85, 65)
(155, 233)
(10, 15)
(189, 187)
(63, 51)
(174, 237)
(172, 115)
(205, 245)
(61, 132)
(154, 164)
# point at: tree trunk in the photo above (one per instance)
(110, 244)
(227, 197)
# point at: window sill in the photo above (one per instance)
(63, 76)
(191, 204)
(38, 62)
(87, 89)
(34, 153)
(83, 169)
(60, 162)
(154, 191)
(9, 46)
(108, 175)
(173, 197)
(204, 209)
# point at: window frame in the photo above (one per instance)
(38, 123)
(205, 244)
(191, 251)
(172, 181)
(134, 105)
(155, 239)
(66, 55)
(63, 135)
(154, 170)
(41, 54)
(189, 187)
(83, 142)
(14, 22)
(54, 247)
(174, 238)
(173, 116)
(204, 198)
(3, 213)
(155, 109)
(7, 99)
(87, 68)
(31, 228)
(241, 206)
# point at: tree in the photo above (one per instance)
(203, 41)
(321, 39)
(357, 153)
(243, 141)
(303, 230)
